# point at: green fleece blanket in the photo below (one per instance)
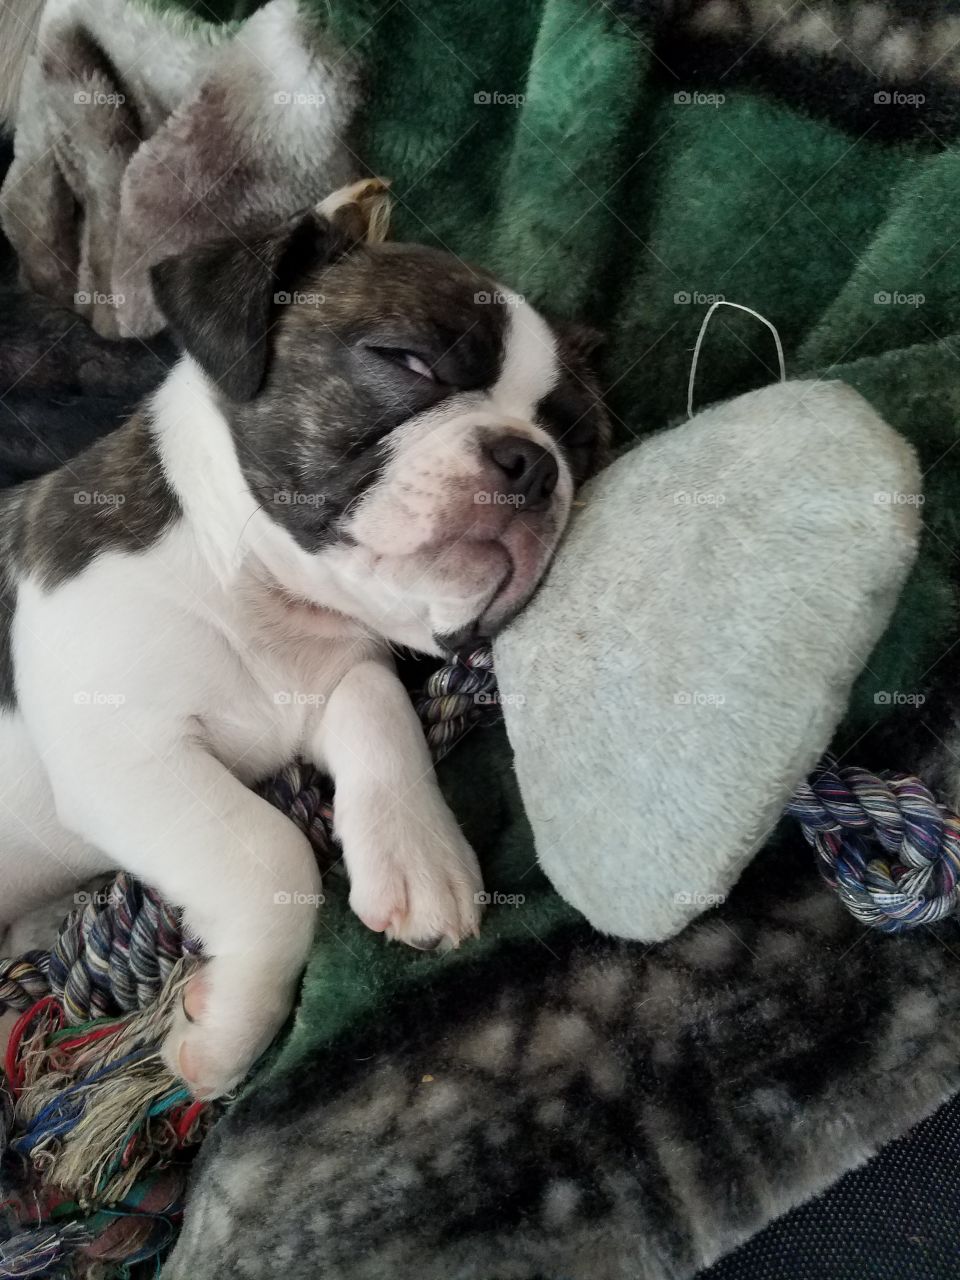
(545, 1102)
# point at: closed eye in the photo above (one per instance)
(408, 360)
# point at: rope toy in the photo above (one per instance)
(884, 844)
(458, 696)
(96, 1131)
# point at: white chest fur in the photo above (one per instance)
(281, 662)
(157, 640)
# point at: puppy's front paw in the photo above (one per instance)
(222, 1025)
(418, 881)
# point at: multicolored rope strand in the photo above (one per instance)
(23, 981)
(458, 696)
(306, 796)
(884, 844)
(98, 1139)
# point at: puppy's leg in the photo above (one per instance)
(412, 873)
(244, 875)
(39, 859)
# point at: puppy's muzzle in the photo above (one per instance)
(526, 471)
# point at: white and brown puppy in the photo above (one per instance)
(363, 444)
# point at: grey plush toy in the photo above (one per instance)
(693, 648)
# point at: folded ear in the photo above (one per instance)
(219, 299)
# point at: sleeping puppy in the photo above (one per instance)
(363, 444)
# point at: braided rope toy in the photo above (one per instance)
(885, 844)
(83, 1055)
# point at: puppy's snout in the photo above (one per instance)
(528, 470)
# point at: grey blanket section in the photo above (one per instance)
(589, 1108)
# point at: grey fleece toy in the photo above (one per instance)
(693, 648)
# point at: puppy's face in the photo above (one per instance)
(414, 429)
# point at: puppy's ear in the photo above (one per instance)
(219, 299)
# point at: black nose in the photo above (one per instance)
(529, 471)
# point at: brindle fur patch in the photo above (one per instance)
(113, 497)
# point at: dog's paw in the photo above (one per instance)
(418, 882)
(223, 1023)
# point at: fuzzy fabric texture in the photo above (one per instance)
(740, 570)
(63, 385)
(140, 133)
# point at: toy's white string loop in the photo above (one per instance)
(703, 329)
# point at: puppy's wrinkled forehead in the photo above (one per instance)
(410, 298)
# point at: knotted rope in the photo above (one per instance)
(884, 843)
(457, 696)
(24, 980)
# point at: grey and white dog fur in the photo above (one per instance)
(363, 445)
